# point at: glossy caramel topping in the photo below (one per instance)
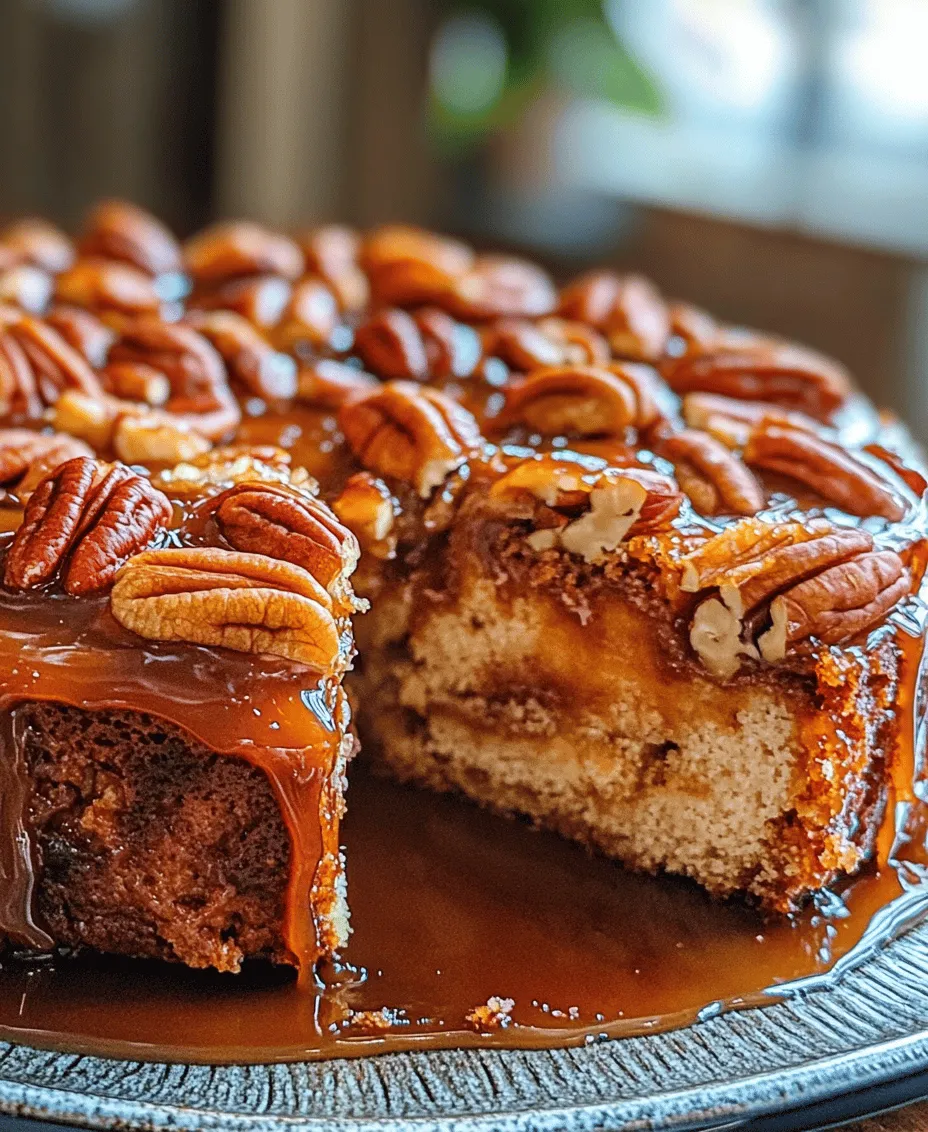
(280, 719)
(626, 426)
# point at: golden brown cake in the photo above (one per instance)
(648, 580)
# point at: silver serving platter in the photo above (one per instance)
(826, 1040)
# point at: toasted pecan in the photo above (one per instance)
(391, 345)
(829, 469)
(35, 241)
(752, 368)
(225, 598)
(628, 310)
(410, 433)
(250, 358)
(581, 400)
(200, 395)
(715, 480)
(781, 583)
(116, 229)
(109, 288)
(289, 525)
(238, 247)
(82, 522)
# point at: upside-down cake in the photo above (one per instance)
(647, 579)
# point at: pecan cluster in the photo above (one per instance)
(762, 588)
(277, 584)
(431, 370)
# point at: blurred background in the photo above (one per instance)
(765, 158)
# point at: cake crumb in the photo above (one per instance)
(376, 1021)
(495, 1015)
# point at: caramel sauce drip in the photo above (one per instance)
(453, 908)
(278, 716)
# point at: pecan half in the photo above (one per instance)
(118, 230)
(751, 368)
(692, 327)
(23, 454)
(498, 287)
(330, 384)
(228, 599)
(111, 289)
(410, 433)
(262, 299)
(522, 344)
(402, 244)
(250, 359)
(200, 395)
(81, 329)
(579, 401)
(411, 283)
(453, 349)
(577, 343)
(837, 604)
(332, 252)
(39, 243)
(310, 318)
(628, 309)
(408, 267)
(390, 344)
(731, 421)
(37, 365)
(83, 521)
(270, 519)
(239, 247)
(713, 478)
(19, 395)
(831, 471)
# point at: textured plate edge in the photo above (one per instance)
(699, 1107)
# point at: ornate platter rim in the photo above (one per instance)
(870, 1028)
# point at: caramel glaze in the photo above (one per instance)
(281, 717)
(467, 929)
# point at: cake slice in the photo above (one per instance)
(175, 732)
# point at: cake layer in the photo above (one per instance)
(772, 785)
(151, 844)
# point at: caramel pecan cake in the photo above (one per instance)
(649, 580)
